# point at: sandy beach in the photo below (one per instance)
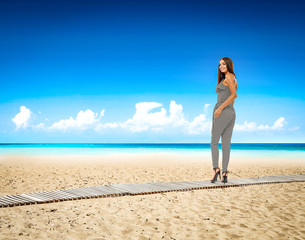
(271, 211)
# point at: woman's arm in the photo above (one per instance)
(232, 88)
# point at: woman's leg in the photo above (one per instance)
(226, 144)
(218, 126)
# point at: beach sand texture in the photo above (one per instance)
(272, 211)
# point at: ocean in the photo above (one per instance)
(260, 149)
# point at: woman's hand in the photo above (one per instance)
(217, 112)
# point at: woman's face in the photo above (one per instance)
(222, 66)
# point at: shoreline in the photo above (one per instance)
(237, 157)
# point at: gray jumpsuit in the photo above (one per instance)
(222, 126)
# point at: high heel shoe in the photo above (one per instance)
(225, 177)
(216, 175)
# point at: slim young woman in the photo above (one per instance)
(223, 117)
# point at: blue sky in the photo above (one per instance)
(146, 71)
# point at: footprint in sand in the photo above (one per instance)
(224, 226)
(127, 231)
(243, 225)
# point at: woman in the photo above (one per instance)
(223, 117)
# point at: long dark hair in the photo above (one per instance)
(230, 68)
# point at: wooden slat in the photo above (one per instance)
(161, 187)
(240, 182)
(10, 200)
(5, 202)
(2, 202)
(88, 191)
(62, 195)
(175, 186)
(262, 180)
(78, 193)
(111, 191)
(21, 199)
(54, 195)
(101, 191)
(131, 188)
(30, 197)
(201, 184)
(48, 196)
(165, 186)
(294, 177)
(185, 184)
(43, 197)
(148, 188)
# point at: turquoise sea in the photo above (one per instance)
(264, 149)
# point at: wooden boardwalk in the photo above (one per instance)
(116, 190)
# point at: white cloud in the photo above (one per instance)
(102, 126)
(199, 125)
(143, 120)
(278, 125)
(205, 108)
(83, 120)
(39, 126)
(293, 129)
(176, 116)
(161, 121)
(22, 118)
(245, 127)
(149, 116)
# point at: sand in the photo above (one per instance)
(271, 211)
